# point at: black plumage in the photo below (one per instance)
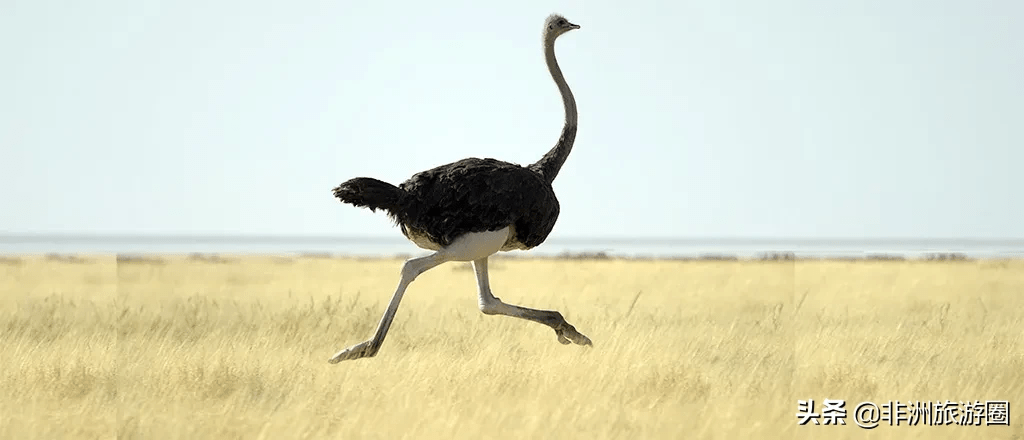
(471, 195)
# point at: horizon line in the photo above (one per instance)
(92, 236)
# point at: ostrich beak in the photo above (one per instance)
(574, 26)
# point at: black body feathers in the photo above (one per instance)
(471, 195)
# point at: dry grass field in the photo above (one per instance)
(190, 348)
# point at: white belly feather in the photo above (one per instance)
(507, 235)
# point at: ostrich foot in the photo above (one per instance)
(358, 351)
(567, 333)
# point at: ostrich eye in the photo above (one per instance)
(561, 22)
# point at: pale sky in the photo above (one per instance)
(789, 118)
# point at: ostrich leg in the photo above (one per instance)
(410, 270)
(468, 247)
(491, 305)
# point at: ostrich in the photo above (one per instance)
(471, 209)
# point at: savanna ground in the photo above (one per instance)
(174, 347)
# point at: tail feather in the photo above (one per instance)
(367, 192)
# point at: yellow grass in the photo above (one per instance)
(180, 348)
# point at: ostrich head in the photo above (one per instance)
(556, 25)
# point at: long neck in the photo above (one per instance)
(549, 165)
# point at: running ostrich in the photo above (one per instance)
(471, 209)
